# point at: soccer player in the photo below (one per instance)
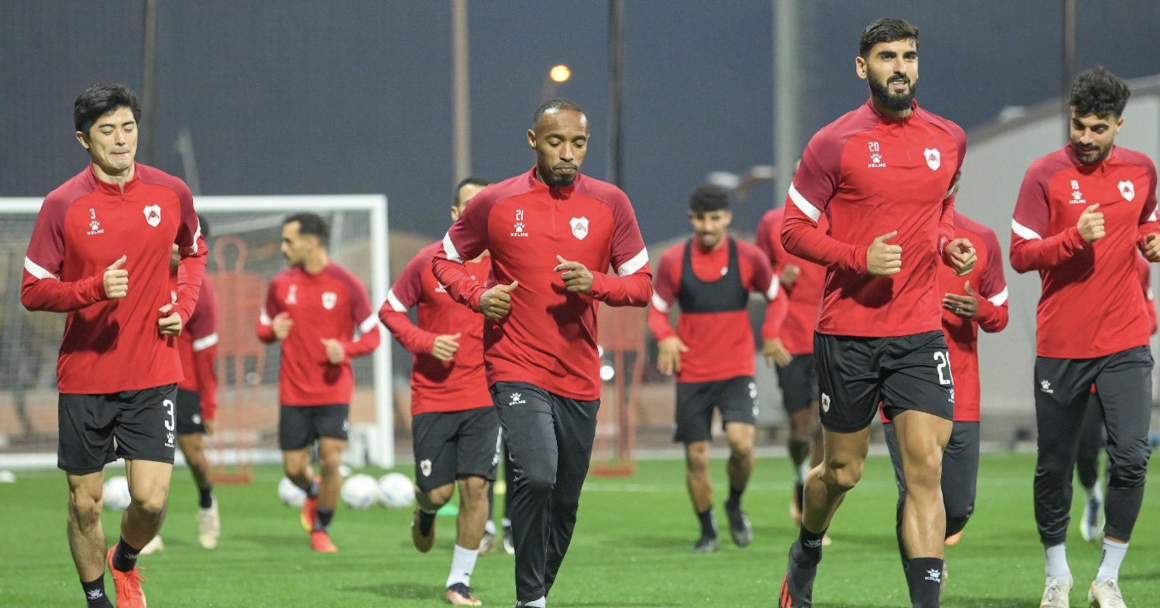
(197, 401)
(100, 252)
(321, 314)
(552, 234)
(884, 176)
(1082, 213)
(790, 346)
(978, 301)
(1092, 438)
(711, 352)
(454, 424)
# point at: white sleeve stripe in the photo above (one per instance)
(265, 318)
(37, 271)
(1000, 298)
(449, 249)
(368, 324)
(395, 302)
(204, 343)
(1024, 232)
(659, 303)
(1152, 218)
(636, 263)
(774, 287)
(806, 207)
(192, 249)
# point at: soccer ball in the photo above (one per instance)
(360, 491)
(116, 494)
(397, 490)
(291, 495)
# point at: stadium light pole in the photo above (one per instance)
(615, 90)
(786, 83)
(461, 90)
(149, 81)
(1068, 71)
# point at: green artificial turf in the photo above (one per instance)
(630, 548)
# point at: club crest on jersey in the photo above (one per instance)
(579, 227)
(825, 402)
(933, 160)
(425, 467)
(1127, 190)
(329, 299)
(292, 296)
(153, 215)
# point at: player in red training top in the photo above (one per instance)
(1092, 437)
(790, 346)
(711, 352)
(323, 317)
(100, 252)
(884, 176)
(197, 400)
(552, 234)
(1082, 213)
(976, 301)
(454, 424)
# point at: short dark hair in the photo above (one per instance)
(708, 198)
(204, 227)
(470, 180)
(100, 99)
(558, 103)
(311, 224)
(885, 30)
(1100, 92)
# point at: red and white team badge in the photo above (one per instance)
(329, 299)
(1127, 190)
(425, 467)
(153, 215)
(579, 227)
(933, 160)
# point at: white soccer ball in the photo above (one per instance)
(116, 494)
(397, 490)
(360, 491)
(291, 495)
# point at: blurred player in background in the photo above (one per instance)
(712, 352)
(321, 314)
(884, 176)
(976, 301)
(790, 346)
(488, 543)
(1082, 213)
(197, 400)
(454, 424)
(100, 252)
(552, 234)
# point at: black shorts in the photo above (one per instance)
(449, 445)
(799, 382)
(189, 413)
(300, 425)
(735, 397)
(902, 373)
(142, 423)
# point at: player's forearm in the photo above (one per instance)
(203, 371)
(658, 323)
(775, 313)
(991, 318)
(1144, 230)
(364, 345)
(190, 274)
(946, 228)
(454, 278)
(417, 341)
(60, 296)
(633, 290)
(802, 238)
(1042, 254)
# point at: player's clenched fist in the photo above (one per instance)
(1152, 247)
(961, 256)
(669, 355)
(577, 277)
(1091, 224)
(496, 302)
(882, 259)
(116, 280)
(281, 325)
(170, 322)
(445, 347)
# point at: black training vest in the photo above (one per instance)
(726, 294)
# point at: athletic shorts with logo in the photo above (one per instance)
(98, 429)
(450, 445)
(189, 413)
(902, 373)
(300, 425)
(799, 382)
(736, 398)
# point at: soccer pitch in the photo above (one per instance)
(630, 548)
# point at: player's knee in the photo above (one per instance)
(436, 497)
(473, 488)
(84, 511)
(539, 481)
(741, 452)
(697, 457)
(1129, 471)
(957, 517)
(842, 476)
(151, 504)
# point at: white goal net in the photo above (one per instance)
(244, 253)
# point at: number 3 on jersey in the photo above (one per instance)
(944, 368)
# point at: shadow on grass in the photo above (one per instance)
(269, 540)
(402, 591)
(659, 542)
(1138, 576)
